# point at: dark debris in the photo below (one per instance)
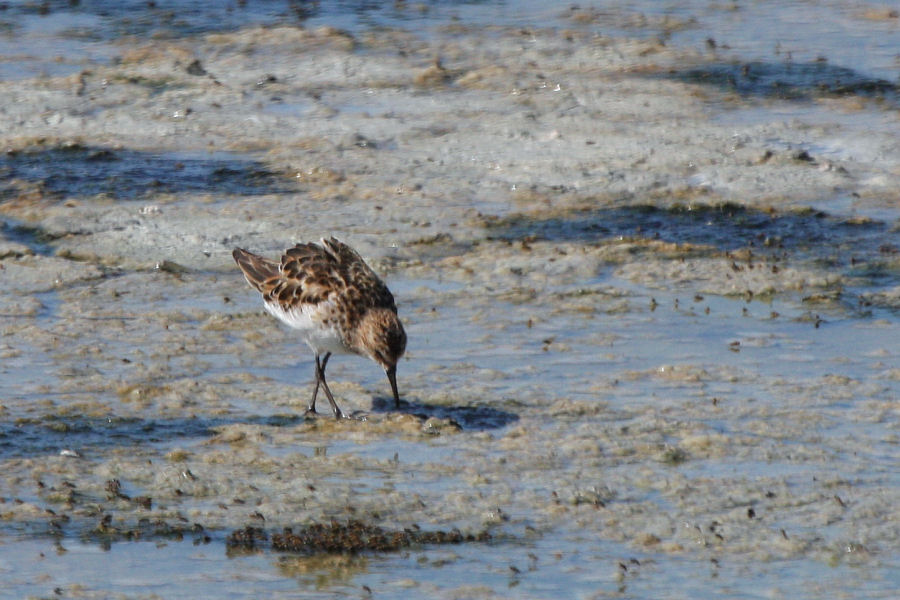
(108, 531)
(352, 537)
(247, 538)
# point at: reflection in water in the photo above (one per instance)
(322, 571)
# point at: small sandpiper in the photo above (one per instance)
(329, 293)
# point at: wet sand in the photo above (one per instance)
(651, 305)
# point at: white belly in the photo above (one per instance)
(318, 336)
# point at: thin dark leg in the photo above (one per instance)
(320, 378)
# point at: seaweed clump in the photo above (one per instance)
(247, 538)
(352, 537)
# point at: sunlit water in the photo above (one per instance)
(845, 34)
(539, 568)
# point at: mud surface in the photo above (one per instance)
(650, 288)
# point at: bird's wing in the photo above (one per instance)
(258, 271)
(311, 273)
(359, 278)
(308, 275)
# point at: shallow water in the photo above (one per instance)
(655, 345)
(859, 36)
(646, 259)
(124, 175)
(535, 568)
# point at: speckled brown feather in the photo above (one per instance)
(310, 274)
(256, 269)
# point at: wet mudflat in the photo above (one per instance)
(650, 288)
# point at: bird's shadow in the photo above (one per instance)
(470, 418)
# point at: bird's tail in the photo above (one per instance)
(256, 269)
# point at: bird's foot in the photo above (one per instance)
(310, 413)
(354, 416)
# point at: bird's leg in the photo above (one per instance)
(320, 379)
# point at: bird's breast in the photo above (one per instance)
(318, 324)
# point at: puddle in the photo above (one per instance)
(29, 236)
(789, 81)
(83, 172)
(727, 227)
(48, 436)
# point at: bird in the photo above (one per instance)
(336, 301)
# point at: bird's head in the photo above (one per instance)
(381, 337)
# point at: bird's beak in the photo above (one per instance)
(392, 377)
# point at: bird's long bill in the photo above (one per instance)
(392, 377)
